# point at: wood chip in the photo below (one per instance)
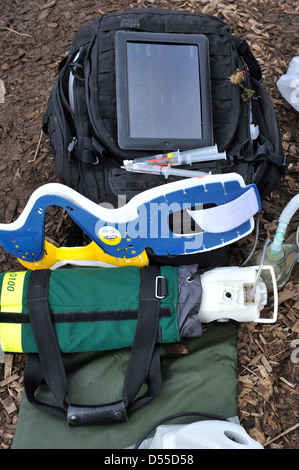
(8, 380)
(257, 435)
(266, 364)
(295, 327)
(8, 361)
(9, 405)
(48, 5)
(287, 382)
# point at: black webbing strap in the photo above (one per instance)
(146, 368)
(245, 51)
(47, 364)
(263, 153)
(143, 366)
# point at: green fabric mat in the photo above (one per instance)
(204, 380)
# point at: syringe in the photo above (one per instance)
(183, 158)
(162, 170)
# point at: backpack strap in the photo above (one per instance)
(81, 147)
(143, 367)
(246, 53)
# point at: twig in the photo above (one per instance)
(37, 148)
(247, 368)
(48, 5)
(13, 31)
(282, 434)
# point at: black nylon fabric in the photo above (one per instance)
(223, 57)
(104, 181)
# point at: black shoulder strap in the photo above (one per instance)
(81, 148)
(143, 366)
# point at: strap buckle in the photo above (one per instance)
(82, 149)
(71, 147)
(77, 70)
(285, 164)
(160, 287)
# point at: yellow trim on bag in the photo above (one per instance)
(11, 301)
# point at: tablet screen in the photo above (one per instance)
(163, 91)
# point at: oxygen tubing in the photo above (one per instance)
(284, 219)
(251, 293)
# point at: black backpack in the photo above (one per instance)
(84, 142)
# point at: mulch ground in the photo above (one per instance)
(35, 35)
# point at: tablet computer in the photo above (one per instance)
(163, 91)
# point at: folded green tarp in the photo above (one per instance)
(202, 381)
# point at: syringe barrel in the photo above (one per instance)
(166, 171)
(185, 156)
(193, 156)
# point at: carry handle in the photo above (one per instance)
(87, 415)
(144, 364)
(245, 52)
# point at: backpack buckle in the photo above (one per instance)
(71, 147)
(77, 70)
(81, 150)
